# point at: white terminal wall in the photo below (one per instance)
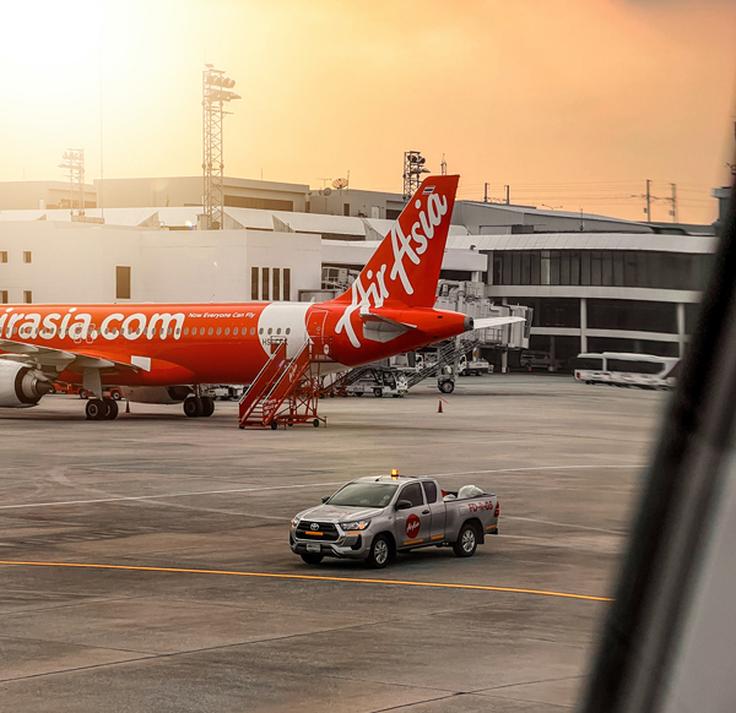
(76, 263)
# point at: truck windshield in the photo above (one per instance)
(369, 495)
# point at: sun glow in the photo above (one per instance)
(571, 92)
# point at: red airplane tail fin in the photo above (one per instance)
(405, 268)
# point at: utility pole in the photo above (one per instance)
(507, 189)
(443, 166)
(648, 199)
(673, 201)
(485, 193)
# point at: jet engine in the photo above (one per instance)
(156, 394)
(20, 385)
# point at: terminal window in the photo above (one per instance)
(3, 297)
(276, 284)
(616, 268)
(122, 282)
(3, 255)
(27, 296)
(254, 283)
(265, 274)
(287, 284)
(27, 257)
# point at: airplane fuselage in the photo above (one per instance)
(213, 343)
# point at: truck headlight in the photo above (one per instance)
(355, 525)
(294, 521)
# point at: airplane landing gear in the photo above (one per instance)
(101, 409)
(196, 407)
(208, 406)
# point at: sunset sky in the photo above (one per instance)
(573, 103)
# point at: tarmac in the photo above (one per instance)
(145, 563)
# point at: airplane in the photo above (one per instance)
(163, 353)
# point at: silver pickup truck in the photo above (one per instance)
(373, 518)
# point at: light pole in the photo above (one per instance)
(413, 170)
(216, 92)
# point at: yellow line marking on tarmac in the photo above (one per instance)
(312, 577)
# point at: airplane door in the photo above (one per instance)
(316, 321)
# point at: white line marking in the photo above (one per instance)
(268, 488)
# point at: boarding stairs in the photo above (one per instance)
(285, 391)
(448, 352)
(336, 384)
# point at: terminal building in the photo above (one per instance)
(619, 292)
(592, 283)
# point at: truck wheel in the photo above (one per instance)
(310, 558)
(382, 551)
(378, 392)
(467, 541)
(447, 387)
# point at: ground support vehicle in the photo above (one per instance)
(379, 382)
(541, 361)
(644, 371)
(224, 392)
(375, 517)
(473, 367)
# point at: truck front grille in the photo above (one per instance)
(326, 532)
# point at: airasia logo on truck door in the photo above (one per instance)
(413, 523)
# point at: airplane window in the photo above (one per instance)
(210, 332)
(219, 331)
(278, 331)
(253, 331)
(227, 331)
(288, 330)
(260, 331)
(201, 331)
(270, 330)
(186, 331)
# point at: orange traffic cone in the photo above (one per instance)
(439, 406)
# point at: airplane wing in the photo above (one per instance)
(494, 322)
(53, 361)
